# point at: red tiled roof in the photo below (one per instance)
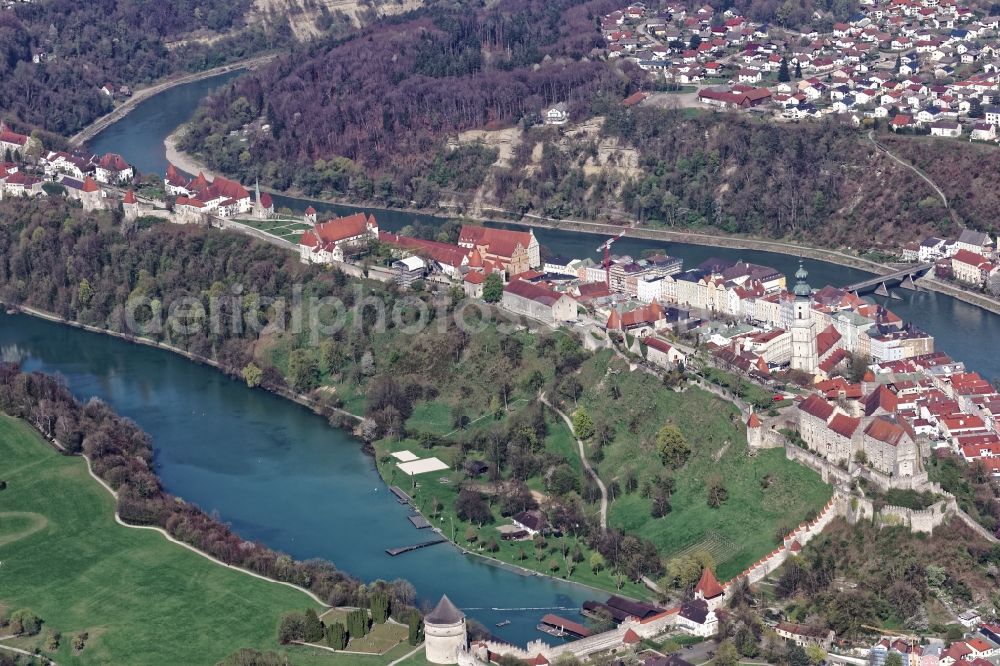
(753, 421)
(498, 242)
(129, 197)
(648, 314)
(90, 185)
(443, 253)
(887, 430)
(708, 586)
(657, 343)
(6, 136)
(568, 625)
(338, 229)
(844, 425)
(816, 406)
(113, 162)
(827, 338)
(534, 292)
(881, 398)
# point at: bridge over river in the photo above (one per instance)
(881, 282)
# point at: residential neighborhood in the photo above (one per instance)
(919, 66)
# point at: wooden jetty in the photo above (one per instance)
(402, 497)
(405, 549)
(419, 522)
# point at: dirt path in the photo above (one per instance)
(944, 199)
(583, 460)
(25, 652)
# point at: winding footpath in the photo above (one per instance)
(944, 199)
(583, 460)
(24, 652)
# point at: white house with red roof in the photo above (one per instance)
(222, 197)
(327, 241)
(14, 142)
(112, 169)
(662, 353)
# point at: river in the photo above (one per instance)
(960, 329)
(280, 475)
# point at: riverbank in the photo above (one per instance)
(140, 598)
(192, 165)
(299, 398)
(637, 593)
(141, 95)
(182, 160)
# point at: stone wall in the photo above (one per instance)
(830, 472)
(801, 535)
(926, 520)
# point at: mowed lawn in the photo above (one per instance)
(142, 599)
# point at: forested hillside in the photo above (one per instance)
(83, 46)
(443, 107)
(369, 114)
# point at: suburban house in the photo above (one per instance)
(538, 302)
(327, 241)
(532, 522)
(949, 128)
(518, 251)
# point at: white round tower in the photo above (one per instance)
(445, 634)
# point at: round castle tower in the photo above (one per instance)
(445, 633)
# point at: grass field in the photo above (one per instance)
(288, 229)
(744, 528)
(142, 599)
(444, 487)
(379, 640)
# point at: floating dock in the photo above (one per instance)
(405, 549)
(419, 522)
(402, 497)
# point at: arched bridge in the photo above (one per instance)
(880, 283)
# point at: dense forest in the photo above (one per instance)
(898, 575)
(82, 47)
(353, 120)
(823, 183)
(122, 454)
(368, 115)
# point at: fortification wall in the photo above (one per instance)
(926, 520)
(830, 472)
